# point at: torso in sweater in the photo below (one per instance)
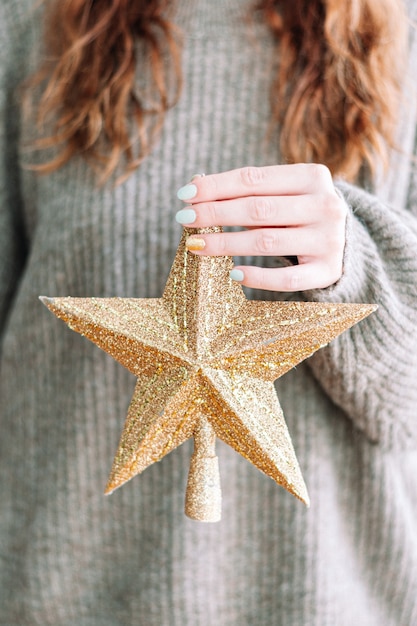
(72, 556)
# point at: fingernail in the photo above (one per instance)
(187, 192)
(237, 275)
(195, 243)
(186, 216)
(197, 176)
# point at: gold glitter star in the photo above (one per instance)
(205, 358)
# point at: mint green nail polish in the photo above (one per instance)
(186, 216)
(237, 275)
(187, 192)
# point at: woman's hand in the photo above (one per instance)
(288, 210)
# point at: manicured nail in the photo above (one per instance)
(186, 216)
(197, 176)
(195, 243)
(237, 275)
(187, 192)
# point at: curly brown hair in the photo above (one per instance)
(335, 96)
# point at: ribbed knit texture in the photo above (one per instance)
(69, 555)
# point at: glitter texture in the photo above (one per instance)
(205, 359)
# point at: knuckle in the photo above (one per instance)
(266, 242)
(221, 244)
(329, 272)
(333, 207)
(251, 176)
(342, 208)
(330, 278)
(287, 280)
(319, 174)
(210, 212)
(261, 209)
(333, 233)
(209, 183)
(336, 270)
(292, 281)
(327, 206)
(334, 245)
(320, 171)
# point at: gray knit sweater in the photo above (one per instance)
(70, 556)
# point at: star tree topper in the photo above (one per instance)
(206, 358)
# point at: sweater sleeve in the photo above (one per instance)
(12, 240)
(370, 371)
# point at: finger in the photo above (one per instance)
(255, 211)
(283, 180)
(258, 242)
(286, 279)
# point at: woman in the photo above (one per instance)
(69, 554)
